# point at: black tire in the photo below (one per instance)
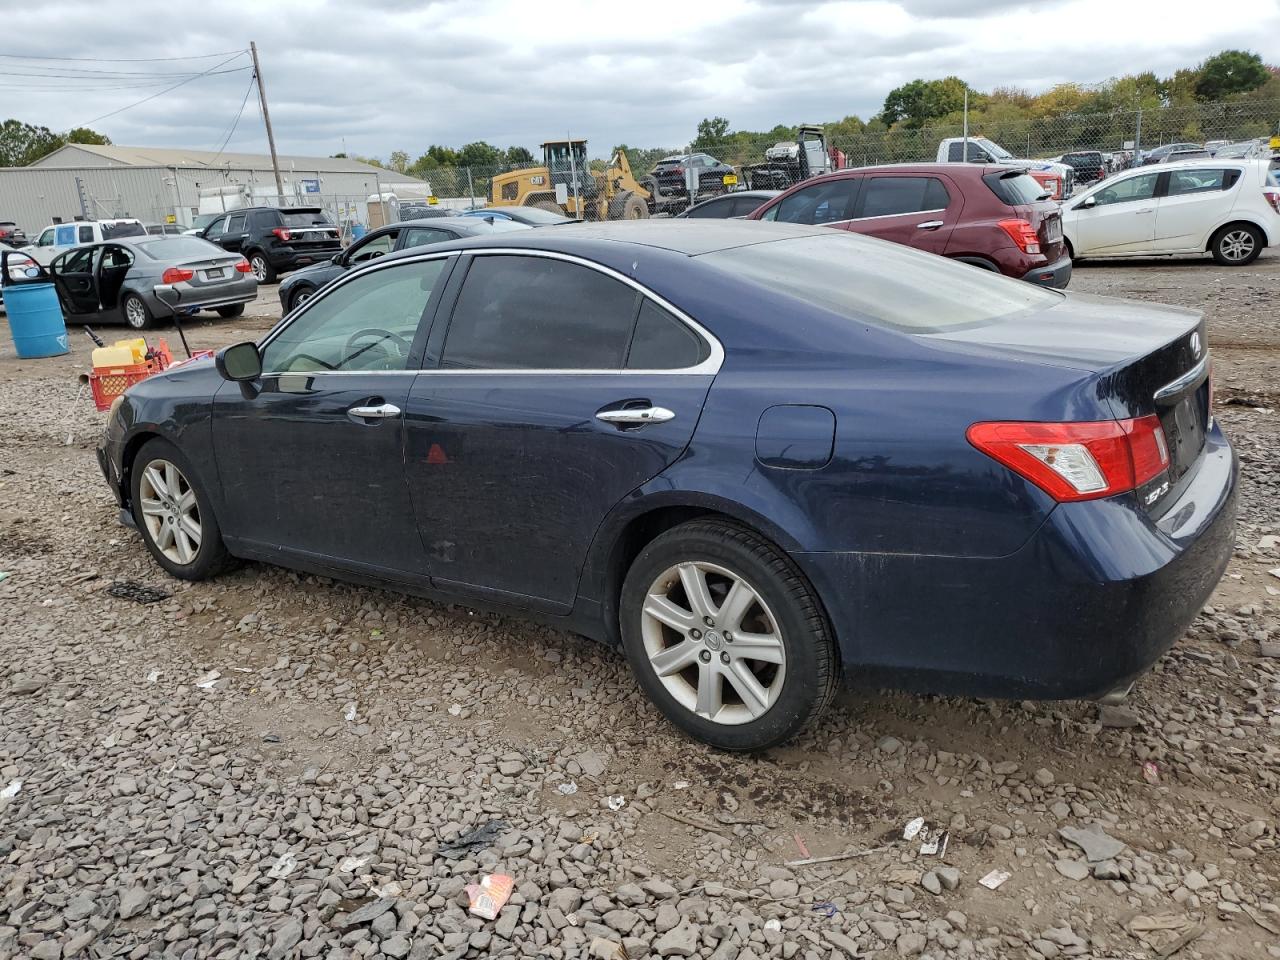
(628, 206)
(299, 296)
(235, 310)
(1070, 249)
(811, 663)
(1237, 244)
(211, 557)
(262, 268)
(136, 314)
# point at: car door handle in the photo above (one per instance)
(929, 225)
(380, 412)
(634, 415)
(1146, 210)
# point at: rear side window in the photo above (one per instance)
(884, 283)
(745, 205)
(827, 202)
(86, 234)
(236, 224)
(661, 342)
(1015, 189)
(417, 236)
(114, 231)
(536, 313)
(1182, 182)
(713, 209)
(887, 196)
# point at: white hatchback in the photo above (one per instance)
(1229, 208)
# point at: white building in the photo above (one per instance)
(156, 183)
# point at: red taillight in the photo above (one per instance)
(1273, 198)
(283, 233)
(1078, 461)
(176, 275)
(244, 267)
(1021, 233)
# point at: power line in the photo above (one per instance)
(197, 56)
(238, 53)
(239, 113)
(107, 76)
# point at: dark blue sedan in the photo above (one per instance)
(761, 457)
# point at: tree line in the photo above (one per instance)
(22, 144)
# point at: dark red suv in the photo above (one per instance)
(991, 216)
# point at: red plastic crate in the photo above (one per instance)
(107, 383)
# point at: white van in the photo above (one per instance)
(58, 237)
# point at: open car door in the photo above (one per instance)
(75, 277)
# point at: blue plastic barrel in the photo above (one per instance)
(35, 320)
(357, 231)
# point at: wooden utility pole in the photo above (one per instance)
(266, 117)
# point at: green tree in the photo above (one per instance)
(916, 103)
(479, 154)
(85, 135)
(1230, 72)
(712, 133)
(399, 161)
(24, 143)
(518, 156)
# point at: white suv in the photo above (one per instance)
(57, 237)
(1229, 208)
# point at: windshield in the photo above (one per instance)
(202, 220)
(179, 248)
(114, 231)
(994, 149)
(885, 283)
(309, 218)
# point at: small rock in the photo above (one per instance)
(1106, 870)
(1095, 843)
(911, 944)
(1072, 869)
(1043, 777)
(1269, 648)
(27, 685)
(680, 942)
(397, 946)
(949, 876)
(931, 883)
(286, 938)
(1195, 880)
(886, 930)
(368, 912)
(889, 745)
(133, 901)
(1118, 717)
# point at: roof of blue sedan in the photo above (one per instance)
(689, 237)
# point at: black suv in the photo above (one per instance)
(669, 173)
(276, 240)
(1089, 165)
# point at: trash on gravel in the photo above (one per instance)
(1274, 571)
(680, 785)
(935, 846)
(1151, 772)
(351, 864)
(482, 836)
(602, 949)
(389, 890)
(1162, 931)
(1094, 841)
(271, 738)
(847, 855)
(349, 712)
(913, 828)
(571, 919)
(5, 575)
(773, 923)
(489, 895)
(208, 680)
(137, 592)
(800, 845)
(284, 866)
(616, 802)
(568, 788)
(11, 791)
(995, 878)
(153, 676)
(826, 908)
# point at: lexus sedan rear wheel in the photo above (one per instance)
(726, 637)
(174, 514)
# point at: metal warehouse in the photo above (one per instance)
(159, 185)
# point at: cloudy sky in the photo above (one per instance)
(382, 75)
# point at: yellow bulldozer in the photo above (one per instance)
(565, 183)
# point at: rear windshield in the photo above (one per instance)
(298, 219)
(885, 283)
(114, 231)
(1016, 189)
(179, 248)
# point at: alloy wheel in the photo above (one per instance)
(1237, 245)
(713, 642)
(170, 511)
(301, 297)
(259, 266)
(135, 313)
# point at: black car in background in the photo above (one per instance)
(669, 174)
(729, 206)
(276, 240)
(12, 234)
(1090, 166)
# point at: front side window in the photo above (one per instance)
(536, 313)
(46, 238)
(86, 234)
(216, 228)
(367, 324)
(828, 202)
(379, 246)
(78, 261)
(887, 196)
(66, 235)
(1128, 190)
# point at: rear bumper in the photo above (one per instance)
(1087, 605)
(1056, 274)
(181, 298)
(287, 258)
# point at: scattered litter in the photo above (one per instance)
(571, 919)
(271, 738)
(488, 896)
(568, 788)
(349, 712)
(1166, 933)
(132, 590)
(482, 836)
(11, 791)
(375, 633)
(995, 878)
(689, 822)
(208, 680)
(912, 828)
(616, 803)
(5, 575)
(455, 710)
(153, 676)
(283, 867)
(243, 669)
(680, 785)
(388, 890)
(773, 923)
(804, 851)
(847, 855)
(351, 864)
(826, 908)
(936, 846)
(602, 949)
(589, 838)
(1274, 571)
(1151, 772)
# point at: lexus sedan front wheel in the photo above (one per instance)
(174, 515)
(726, 636)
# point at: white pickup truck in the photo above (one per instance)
(982, 150)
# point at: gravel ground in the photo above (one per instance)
(275, 765)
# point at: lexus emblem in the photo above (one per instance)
(1195, 344)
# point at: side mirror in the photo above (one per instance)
(239, 362)
(1089, 202)
(336, 259)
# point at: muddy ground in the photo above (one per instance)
(350, 732)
